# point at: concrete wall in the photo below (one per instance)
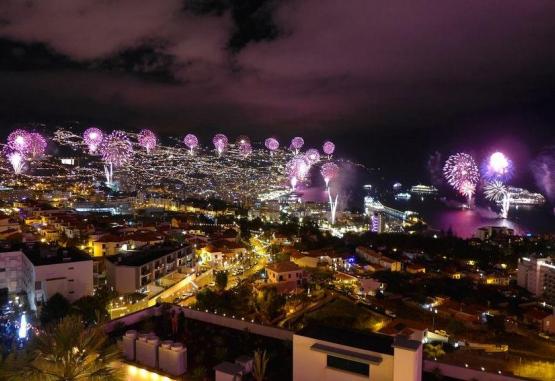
(207, 317)
(461, 373)
(310, 365)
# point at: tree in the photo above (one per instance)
(260, 364)
(434, 351)
(221, 279)
(270, 303)
(66, 351)
(54, 309)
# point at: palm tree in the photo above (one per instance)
(260, 364)
(66, 351)
(434, 351)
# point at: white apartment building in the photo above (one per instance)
(46, 272)
(537, 275)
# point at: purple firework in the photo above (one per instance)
(37, 144)
(297, 168)
(328, 148)
(220, 143)
(497, 167)
(462, 174)
(297, 143)
(191, 141)
(18, 140)
(245, 149)
(116, 149)
(147, 139)
(272, 144)
(93, 138)
(16, 159)
(329, 172)
(313, 155)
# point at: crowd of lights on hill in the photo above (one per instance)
(137, 161)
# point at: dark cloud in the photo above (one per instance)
(262, 66)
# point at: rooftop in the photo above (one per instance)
(41, 255)
(281, 267)
(145, 254)
(374, 342)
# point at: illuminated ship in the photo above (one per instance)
(423, 189)
(520, 196)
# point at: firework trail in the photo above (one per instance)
(15, 158)
(37, 145)
(220, 143)
(329, 172)
(497, 192)
(116, 151)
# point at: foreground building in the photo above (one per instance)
(326, 354)
(537, 275)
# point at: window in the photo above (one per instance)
(348, 365)
(2, 270)
(289, 276)
(70, 268)
(70, 280)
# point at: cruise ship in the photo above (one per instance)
(423, 189)
(520, 196)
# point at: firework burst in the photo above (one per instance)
(147, 139)
(37, 145)
(245, 149)
(220, 142)
(116, 151)
(271, 144)
(191, 141)
(497, 167)
(93, 138)
(329, 171)
(461, 172)
(18, 140)
(297, 168)
(313, 155)
(297, 143)
(328, 147)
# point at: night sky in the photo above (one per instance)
(390, 81)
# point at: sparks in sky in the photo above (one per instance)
(245, 149)
(147, 139)
(93, 138)
(297, 143)
(220, 143)
(461, 172)
(328, 147)
(191, 141)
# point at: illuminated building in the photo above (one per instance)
(537, 275)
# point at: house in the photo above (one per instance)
(286, 275)
(537, 317)
(548, 324)
(108, 244)
(332, 354)
(375, 258)
(415, 269)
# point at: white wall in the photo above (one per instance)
(310, 365)
(71, 279)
